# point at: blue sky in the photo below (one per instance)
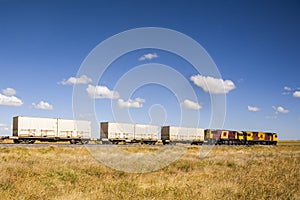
(255, 45)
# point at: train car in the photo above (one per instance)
(212, 136)
(176, 134)
(31, 129)
(229, 137)
(128, 133)
(262, 138)
(222, 137)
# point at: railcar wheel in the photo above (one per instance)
(84, 141)
(16, 141)
(72, 141)
(31, 141)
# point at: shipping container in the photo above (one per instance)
(30, 129)
(116, 131)
(182, 134)
(125, 132)
(34, 127)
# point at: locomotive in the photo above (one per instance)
(230, 137)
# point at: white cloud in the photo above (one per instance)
(101, 92)
(9, 92)
(42, 105)
(136, 103)
(287, 88)
(280, 109)
(148, 56)
(10, 100)
(188, 104)
(253, 108)
(73, 80)
(296, 94)
(213, 85)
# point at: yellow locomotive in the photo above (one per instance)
(230, 137)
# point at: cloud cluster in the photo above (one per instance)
(287, 88)
(188, 104)
(136, 103)
(8, 98)
(101, 92)
(253, 109)
(42, 105)
(9, 92)
(296, 94)
(288, 91)
(213, 85)
(148, 56)
(73, 80)
(280, 109)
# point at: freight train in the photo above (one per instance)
(31, 129)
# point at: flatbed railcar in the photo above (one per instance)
(119, 133)
(177, 134)
(31, 129)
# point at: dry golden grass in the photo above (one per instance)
(289, 142)
(256, 172)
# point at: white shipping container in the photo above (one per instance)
(74, 128)
(34, 126)
(117, 131)
(50, 127)
(83, 128)
(176, 133)
(126, 131)
(66, 128)
(199, 134)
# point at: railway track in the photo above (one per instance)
(121, 145)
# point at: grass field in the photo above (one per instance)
(235, 172)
